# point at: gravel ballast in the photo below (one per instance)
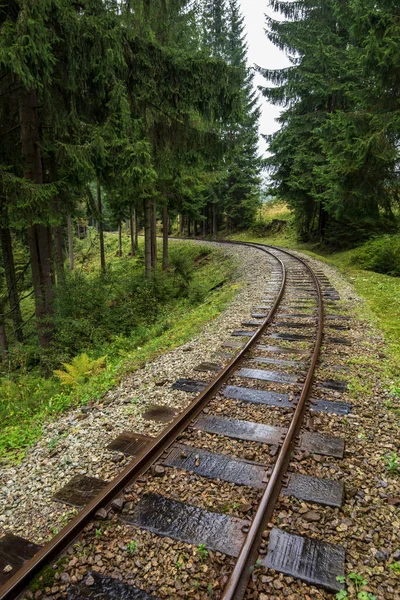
(82, 435)
(368, 525)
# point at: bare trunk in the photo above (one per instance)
(136, 220)
(214, 220)
(57, 230)
(9, 268)
(3, 339)
(153, 234)
(70, 242)
(188, 226)
(101, 230)
(59, 253)
(196, 229)
(165, 219)
(38, 235)
(120, 239)
(147, 237)
(132, 225)
(205, 222)
(181, 224)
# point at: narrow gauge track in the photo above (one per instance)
(294, 286)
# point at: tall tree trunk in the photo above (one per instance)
(101, 230)
(181, 224)
(196, 228)
(70, 241)
(188, 226)
(9, 268)
(147, 236)
(120, 239)
(165, 220)
(132, 225)
(38, 235)
(59, 253)
(136, 220)
(57, 230)
(205, 221)
(153, 234)
(3, 337)
(214, 220)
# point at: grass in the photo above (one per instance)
(28, 399)
(381, 293)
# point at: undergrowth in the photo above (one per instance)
(119, 316)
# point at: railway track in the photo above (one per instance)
(270, 374)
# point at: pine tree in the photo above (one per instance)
(334, 158)
(242, 190)
(215, 28)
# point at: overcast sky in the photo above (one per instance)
(263, 53)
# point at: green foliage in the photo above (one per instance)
(335, 158)
(356, 582)
(80, 370)
(381, 255)
(392, 463)
(132, 547)
(395, 567)
(236, 189)
(202, 551)
(164, 319)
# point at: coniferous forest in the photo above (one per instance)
(124, 123)
(335, 159)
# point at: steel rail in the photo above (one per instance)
(239, 578)
(48, 553)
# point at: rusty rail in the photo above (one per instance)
(238, 581)
(18, 582)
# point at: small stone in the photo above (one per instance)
(245, 507)
(161, 382)
(117, 504)
(158, 470)
(117, 458)
(65, 578)
(7, 569)
(101, 514)
(311, 516)
(382, 555)
(89, 580)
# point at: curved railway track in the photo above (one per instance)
(273, 338)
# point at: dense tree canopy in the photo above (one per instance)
(335, 158)
(113, 112)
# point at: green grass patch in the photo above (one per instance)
(164, 314)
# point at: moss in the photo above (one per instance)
(44, 579)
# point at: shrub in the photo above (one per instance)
(80, 370)
(381, 255)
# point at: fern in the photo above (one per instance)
(80, 370)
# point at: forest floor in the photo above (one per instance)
(120, 317)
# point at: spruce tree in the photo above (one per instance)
(334, 158)
(242, 190)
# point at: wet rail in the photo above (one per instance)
(295, 292)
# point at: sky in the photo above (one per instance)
(263, 53)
